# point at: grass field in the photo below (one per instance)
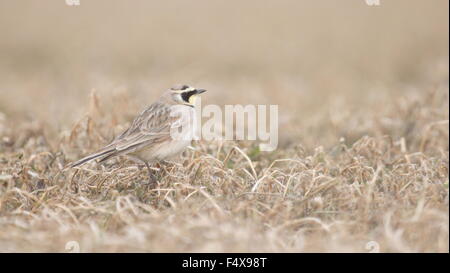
(362, 163)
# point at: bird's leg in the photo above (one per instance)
(151, 177)
(165, 164)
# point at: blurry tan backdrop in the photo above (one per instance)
(363, 101)
(298, 54)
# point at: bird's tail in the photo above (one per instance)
(88, 158)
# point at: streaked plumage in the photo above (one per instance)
(149, 138)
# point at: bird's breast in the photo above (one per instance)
(163, 151)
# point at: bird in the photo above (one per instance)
(150, 137)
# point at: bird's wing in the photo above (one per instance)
(150, 127)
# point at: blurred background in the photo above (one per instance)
(363, 102)
(319, 60)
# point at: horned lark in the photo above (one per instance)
(150, 137)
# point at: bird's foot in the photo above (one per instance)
(152, 181)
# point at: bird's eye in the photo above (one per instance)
(185, 96)
(184, 87)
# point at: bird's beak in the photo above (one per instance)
(199, 91)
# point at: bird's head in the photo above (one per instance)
(184, 94)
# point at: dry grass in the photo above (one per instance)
(363, 153)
